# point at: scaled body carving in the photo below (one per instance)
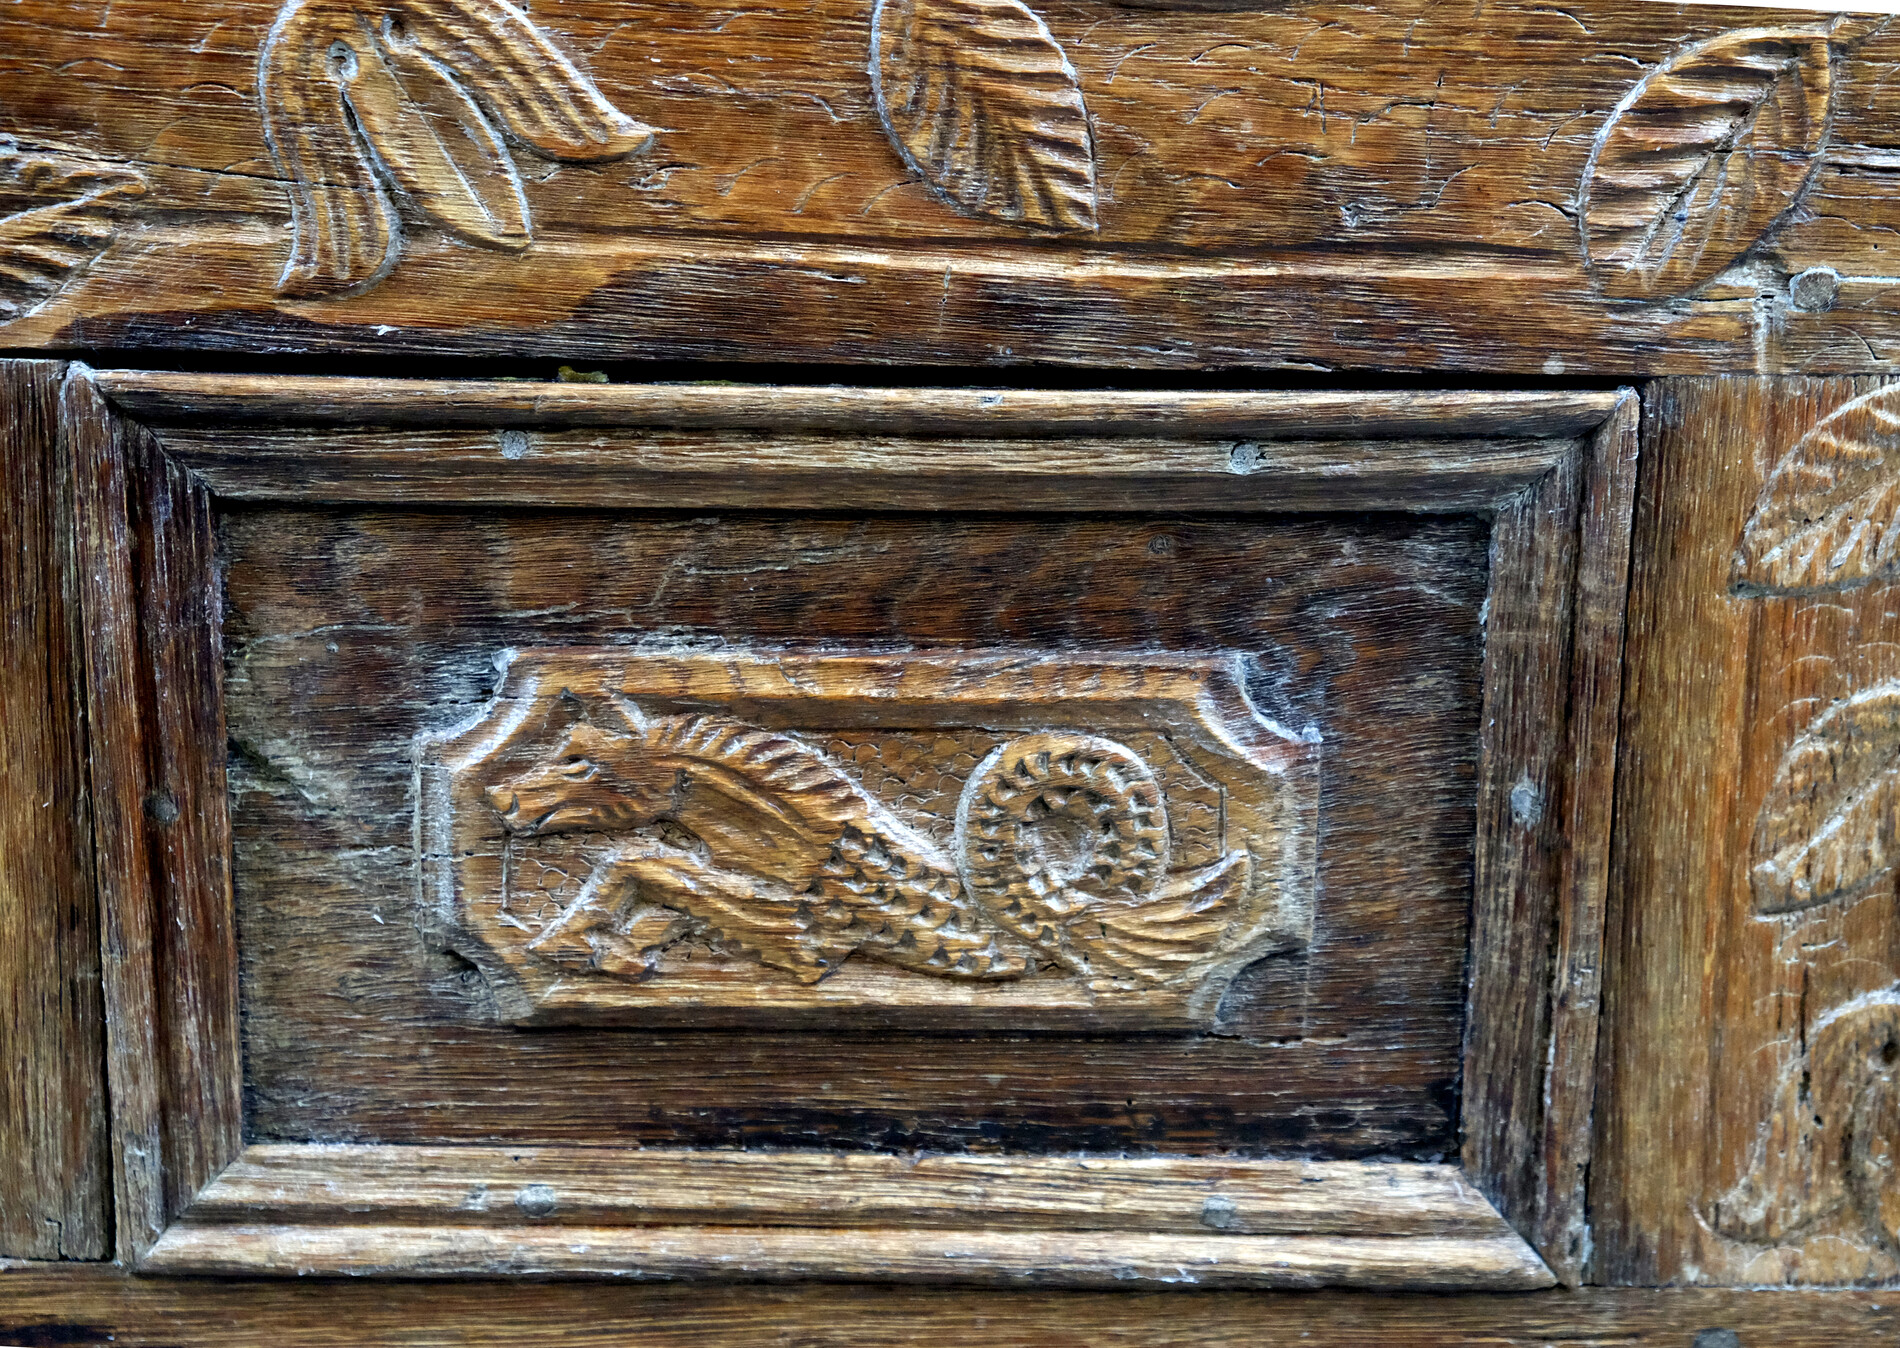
(602, 842)
(1061, 851)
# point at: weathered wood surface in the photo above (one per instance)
(682, 470)
(53, 1169)
(156, 741)
(351, 630)
(1084, 1259)
(1074, 1221)
(1553, 638)
(599, 1186)
(1614, 186)
(1749, 1083)
(191, 399)
(775, 838)
(97, 1307)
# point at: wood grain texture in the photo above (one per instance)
(592, 1212)
(685, 470)
(152, 660)
(1747, 1086)
(53, 1169)
(1589, 764)
(1010, 1258)
(1553, 638)
(190, 399)
(1326, 185)
(351, 630)
(598, 1186)
(86, 1307)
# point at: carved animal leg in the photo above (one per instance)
(767, 920)
(566, 938)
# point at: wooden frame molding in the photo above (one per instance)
(53, 1171)
(154, 453)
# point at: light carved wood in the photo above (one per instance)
(985, 107)
(1704, 157)
(61, 211)
(1826, 516)
(1013, 838)
(1754, 982)
(370, 109)
(1623, 187)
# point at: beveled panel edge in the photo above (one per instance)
(428, 1212)
(1267, 414)
(1553, 691)
(161, 836)
(337, 1184)
(625, 468)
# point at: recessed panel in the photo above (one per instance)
(865, 832)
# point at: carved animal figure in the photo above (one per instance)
(768, 843)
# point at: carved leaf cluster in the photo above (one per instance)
(45, 246)
(982, 103)
(370, 109)
(1703, 158)
(1828, 516)
(1830, 827)
(1829, 1152)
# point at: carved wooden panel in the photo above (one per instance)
(987, 838)
(1615, 186)
(352, 632)
(1754, 981)
(619, 861)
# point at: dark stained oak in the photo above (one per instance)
(54, 1173)
(351, 631)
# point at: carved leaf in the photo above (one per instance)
(1703, 158)
(1827, 517)
(537, 93)
(1827, 831)
(437, 147)
(1827, 1154)
(364, 100)
(44, 248)
(983, 104)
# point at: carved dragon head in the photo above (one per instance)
(593, 780)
